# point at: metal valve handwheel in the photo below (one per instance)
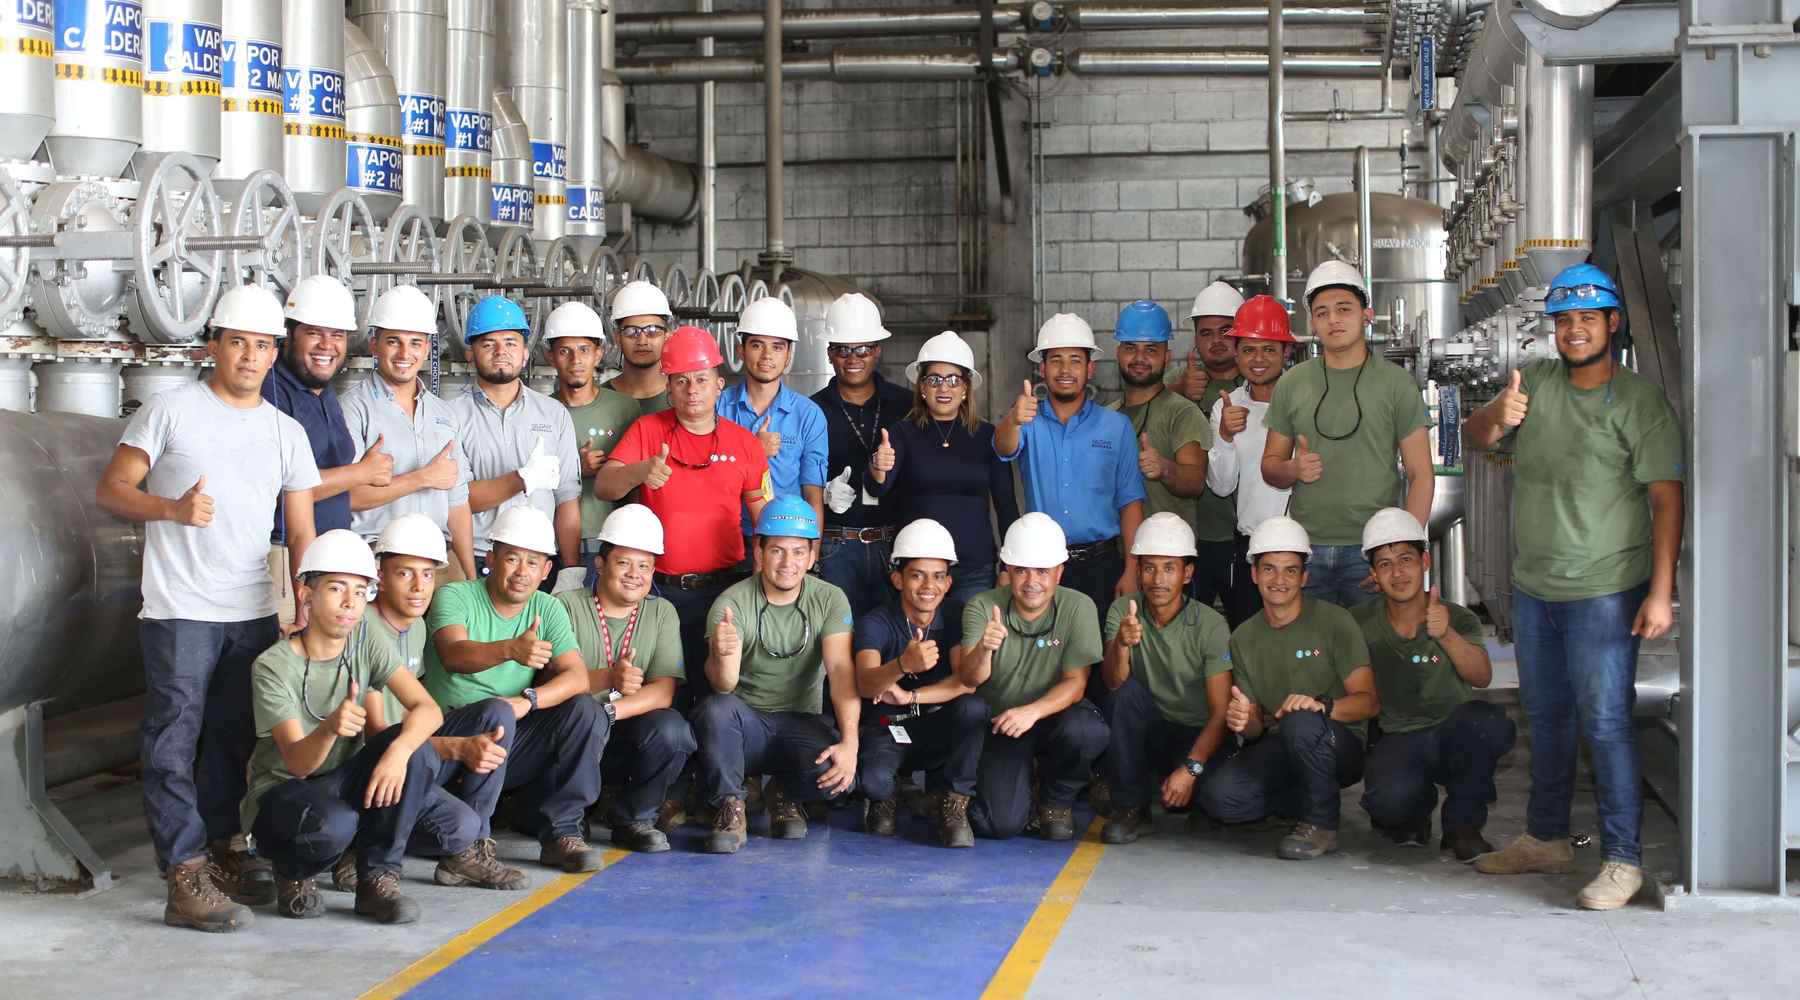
(15, 262)
(175, 286)
(267, 212)
(343, 235)
(466, 251)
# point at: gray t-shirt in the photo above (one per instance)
(218, 573)
(371, 412)
(498, 441)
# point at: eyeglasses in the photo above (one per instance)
(850, 350)
(761, 630)
(947, 381)
(642, 331)
(1584, 293)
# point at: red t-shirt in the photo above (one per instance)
(711, 477)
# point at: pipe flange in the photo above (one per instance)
(408, 238)
(80, 299)
(268, 211)
(466, 251)
(176, 287)
(343, 235)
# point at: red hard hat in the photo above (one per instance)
(689, 349)
(1262, 318)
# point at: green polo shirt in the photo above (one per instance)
(1419, 687)
(1170, 421)
(768, 682)
(1310, 655)
(597, 426)
(466, 603)
(657, 638)
(1174, 660)
(1036, 655)
(409, 650)
(1215, 516)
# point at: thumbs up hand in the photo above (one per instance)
(1150, 461)
(440, 473)
(1194, 381)
(1513, 403)
(1237, 711)
(995, 632)
(593, 456)
(541, 470)
(530, 650)
(839, 494)
(1025, 408)
(377, 466)
(348, 719)
(658, 475)
(484, 753)
(726, 642)
(627, 678)
(883, 459)
(1131, 629)
(1233, 419)
(193, 508)
(920, 654)
(1437, 615)
(771, 440)
(1308, 466)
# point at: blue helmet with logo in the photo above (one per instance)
(1582, 286)
(1143, 322)
(492, 313)
(787, 517)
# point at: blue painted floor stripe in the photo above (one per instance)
(840, 913)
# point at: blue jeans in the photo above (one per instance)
(1297, 770)
(860, 570)
(1335, 573)
(1403, 770)
(1578, 666)
(968, 580)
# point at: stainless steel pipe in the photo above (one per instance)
(1125, 16)
(842, 65)
(1223, 62)
(965, 20)
(776, 245)
(1276, 66)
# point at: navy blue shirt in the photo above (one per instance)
(943, 472)
(323, 419)
(854, 432)
(887, 631)
(1081, 473)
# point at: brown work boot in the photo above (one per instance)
(478, 866)
(1467, 843)
(671, 817)
(378, 897)
(343, 872)
(786, 820)
(243, 876)
(1528, 855)
(753, 793)
(1100, 795)
(952, 813)
(571, 854)
(1307, 842)
(882, 819)
(298, 898)
(729, 829)
(1056, 822)
(1126, 824)
(194, 901)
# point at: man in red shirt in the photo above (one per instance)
(699, 472)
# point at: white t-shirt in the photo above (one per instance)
(218, 573)
(1235, 466)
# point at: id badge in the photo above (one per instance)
(869, 501)
(900, 734)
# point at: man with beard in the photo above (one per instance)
(1597, 517)
(575, 343)
(1234, 464)
(320, 314)
(520, 443)
(860, 407)
(640, 318)
(1211, 372)
(1172, 434)
(789, 426)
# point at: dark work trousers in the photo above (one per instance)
(736, 739)
(303, 824)
(858, 568)
(691, 609)
(1096, 576)
(643, 758)
(460, 805)
(555, 762)
(1212, 571)
(1242, 600)
(1459, 753)
(1296, 771)
(1142, 748)
(1064, 745)
(198, 729)
(946, 745)
(969, 580)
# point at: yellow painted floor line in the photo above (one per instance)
(486, 931)
(1022, 963)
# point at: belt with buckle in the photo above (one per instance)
(1094, 550)
(698, 581)
(859, 534)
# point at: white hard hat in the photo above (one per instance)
(412, 535)
(1164, 534)
(250, 309)
(924, 539)
(853, 318)
(768, 317)
(339, 550)
(639, 298)
(321, 300)
(1279, 534)
(575, 319)
(404, 308)
(1333, 273)
(1035, 541)
(1389, 525)
(948, 348)
(1063, 330)
(1216, 299)
(634, 526)
(526, 528)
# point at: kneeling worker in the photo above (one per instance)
(1302, 694)
(313, 790)
(500, 637)
(772, 641)
(1027, 650)
(918, 714)
(1167, 667)
(634, 641)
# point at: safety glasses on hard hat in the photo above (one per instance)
(1579, 293)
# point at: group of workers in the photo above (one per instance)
(660, 586)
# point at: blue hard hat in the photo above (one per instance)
(1143, 321)
(1582, 286)
(495, 312)
(787, 517)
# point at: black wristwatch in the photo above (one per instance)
(530, 695)
(1195, 767)
(611, 710)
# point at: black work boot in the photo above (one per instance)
(194, 901)
(378, 897)
(642, 838)
(882, 817)
(1466, 843)
(240, 874)
(729, 828)
(1056, 822)
(1126, 824)
(786, 819)
(478, 866)
(952, 811)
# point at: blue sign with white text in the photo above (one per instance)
(33, 14)
(512, 204)
(422, 117)
(121, 36)
(468, 131)
(185, 49)
(1427, 72)
(549, 161)
(372, 168)
(587, 204)
(260, 64)
(312, 91)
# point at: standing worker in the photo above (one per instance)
(1597, 517)
(640, 318)
(1211, 372)
(1172, 433)
(574, 340)
(1335, 424)
(209, 608)
(789, 426)
(391, 411)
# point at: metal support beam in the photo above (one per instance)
(39, 848)
(1639, 32)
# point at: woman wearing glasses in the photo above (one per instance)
(944, 466)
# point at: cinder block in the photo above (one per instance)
(1197, 254)
(1121, 286)
(1227, 224)
(1121, 225)
(1189, 225)
(1119, 138)
(1147, 194)
(1060, 226)
(1248, 133)
(1176, 286)
(1150, 107)
(1208, 192)
(1083, 109)
(1089, 196)
(1202, 106)
(1091, 256)
(1065, 140)
(1180, 137)
(1067, 286)
(1149, 255)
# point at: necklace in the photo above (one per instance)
(805, 633)
(868, 443)
(339, 669)
(1325, 371)
(1046, 630)
(606, 646)
(941, 433)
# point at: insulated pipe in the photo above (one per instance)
(966, 20)
(772, 136)
(468, 109)
(1276, 67)
(1223, 62)
(513, 203)
(1121, 16)
(374, 155)
(841, 65)
(707, 101)
(585, 213)
(1365, 222)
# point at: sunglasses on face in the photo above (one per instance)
(850, 350)
(946, 381)
(642, 331)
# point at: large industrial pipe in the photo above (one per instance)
(1559, 161)
(27, 79)
(1214, 14)
(534, 69)
(250, 108)
(1365, 222)
(585, 213)
(1008, 17)
(513, 203)
(182, 74)
(312, 65)
(1222, 62)
(468, 110)
(841, 65)
(773, 160)
(707, 101)
(1276, 63)
(374, 156)
(413, 36)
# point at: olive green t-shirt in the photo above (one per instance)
(1581, 494)
(1171, 422)
(409, 652)
(1311, 655)
(598, 425)
(466, 603)
(1362, 471)
(769, 682)
(1174, 660)
(1036, 655)
(285, 685)
(1215, 516)
(657, 638)
(1419, 687)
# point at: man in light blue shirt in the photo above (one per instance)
(790, 427)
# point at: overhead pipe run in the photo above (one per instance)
(775, 252)
(842, 65)
(1133, 16)
(1221, 62)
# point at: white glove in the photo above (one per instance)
(573, 578)
(839, 494)
(541, 471)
